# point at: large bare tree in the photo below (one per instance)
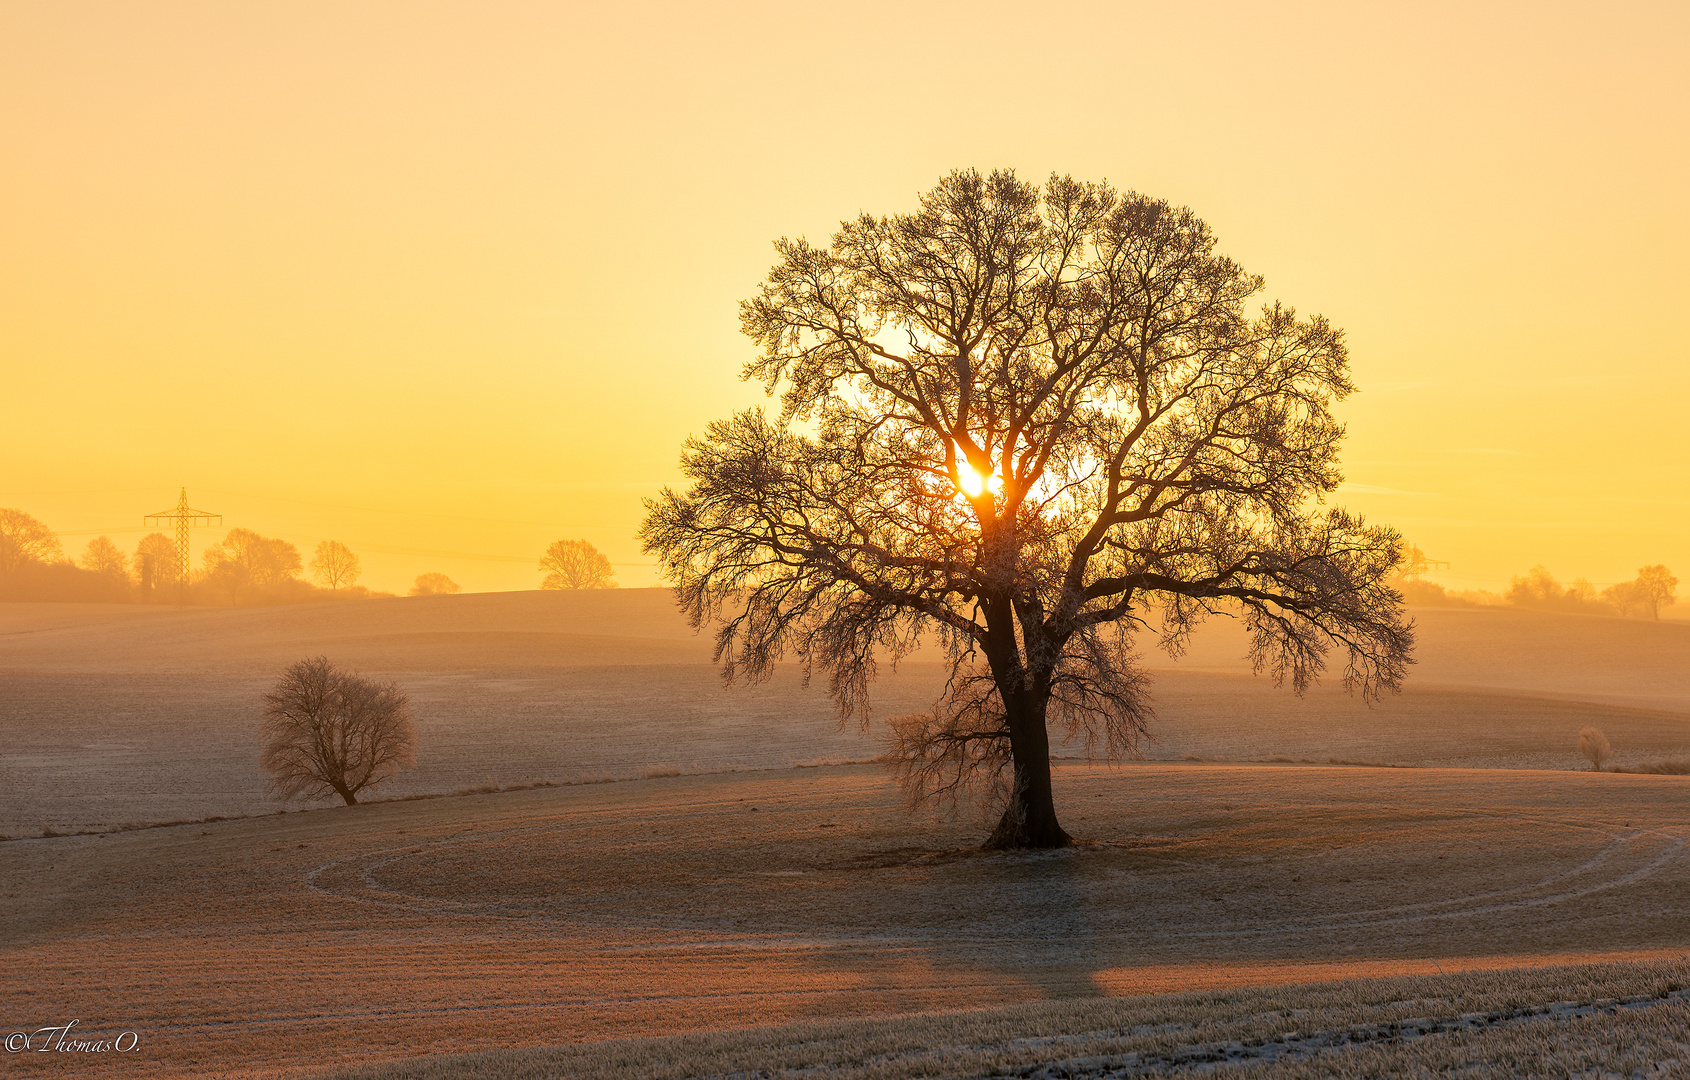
(330, 732)
(1028, 424)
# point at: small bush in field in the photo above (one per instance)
(1594, 746)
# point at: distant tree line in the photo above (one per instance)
(244, 568)
(1643, 597)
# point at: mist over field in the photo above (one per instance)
(118, 715)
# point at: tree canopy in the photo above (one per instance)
(25, 540)
(158, 551)
(331, 732)
(576, 564)
(1027, 423)
(244, 563)
(102, 557)
(333, 565)
(1654, 588)
(434, 583)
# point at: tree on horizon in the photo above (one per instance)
(434, 583)
(576, 564)
(333, 565)
(24, 540)
(1654, 587)
(1028, 424)
(158, 551)
(246, 565)
(102, 557)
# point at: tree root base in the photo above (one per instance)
(1021, 839)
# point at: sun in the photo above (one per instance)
(971, 483)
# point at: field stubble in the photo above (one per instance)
(699, 903)
(1626, 1020)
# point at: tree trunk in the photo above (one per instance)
(1029, 821)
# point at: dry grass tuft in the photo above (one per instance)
(1680, 767)
(48, 832)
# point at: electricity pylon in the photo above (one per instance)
(185, 517)
(1415, 563)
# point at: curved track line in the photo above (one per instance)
(1472, 905)
(1348, 922)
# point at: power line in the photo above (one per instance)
(105, 531)
(422, 513)
(90, 491)
(380, 549)
(389, 549)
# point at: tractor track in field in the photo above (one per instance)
(1625, 857)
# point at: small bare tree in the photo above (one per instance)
(576, 564)
(1594, 746)
(333, 564)
(329, 732)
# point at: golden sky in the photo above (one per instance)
(451, 281)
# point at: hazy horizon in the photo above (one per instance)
(450, 287)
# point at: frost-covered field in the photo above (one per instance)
(610, 926)
(118, 715)
(661, 907)
(1624, 1020)
(115, 715)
